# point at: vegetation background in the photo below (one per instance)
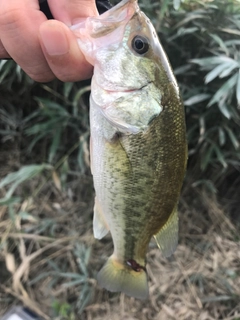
(48, 256)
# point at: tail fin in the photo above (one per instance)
(116, 277)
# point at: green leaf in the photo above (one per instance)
(8, 201)
(45, 127)
(231, 31)
(2, 63)
(207, 183)
(67, 88)
(232, 137)
(182, 69)
(222, 136)
(228, 70)
(84, 297)
(189, 18)
(220, 42)
(176, 4)
(25, 216)
(197, 98)
(72, 275)
(51, 108)
(211, 61)
(238, 89)
(23, 174)
(164, 9)
(222, 94)
(55, 144)
(216, 72)
(79, 94)
(182, 32)
(224, 109)
(220, 156)
(232, 42)
(35, 140)
(207, 157)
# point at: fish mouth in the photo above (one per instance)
(109, 21)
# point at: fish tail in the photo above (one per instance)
(116, 277)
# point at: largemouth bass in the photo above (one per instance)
(138, 142)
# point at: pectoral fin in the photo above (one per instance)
(100, 228)
(119, 122)
(167, 237)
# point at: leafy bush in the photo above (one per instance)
(202, 42)
(201, 39)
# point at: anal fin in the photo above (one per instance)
(167, 237)
(100, 228)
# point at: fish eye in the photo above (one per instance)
(140, 44)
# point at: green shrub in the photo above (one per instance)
(201, 39)
(203, 45)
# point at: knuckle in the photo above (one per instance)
(39, 73)
(71, 75)
(41, 77)
(10, 18)
(66, 78)
(68, 69)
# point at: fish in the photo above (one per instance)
(138, 145)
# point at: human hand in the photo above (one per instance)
(45, 49)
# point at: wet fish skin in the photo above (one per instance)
(138, 143)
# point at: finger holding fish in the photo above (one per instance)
(44, 48)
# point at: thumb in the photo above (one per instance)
(62, 52)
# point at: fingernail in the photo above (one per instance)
(54, 40)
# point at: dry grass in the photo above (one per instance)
(49, 259)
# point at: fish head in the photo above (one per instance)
(130, 66)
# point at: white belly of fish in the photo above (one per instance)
(108, 180)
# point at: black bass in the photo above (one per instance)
(138, 142)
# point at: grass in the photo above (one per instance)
(49, 258)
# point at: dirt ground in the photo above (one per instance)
(49, 258)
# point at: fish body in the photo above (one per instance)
(138, 142)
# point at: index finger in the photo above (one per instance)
(68, 65)
(71, 11)
(19, 25)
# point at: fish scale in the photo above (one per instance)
(161, 198)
